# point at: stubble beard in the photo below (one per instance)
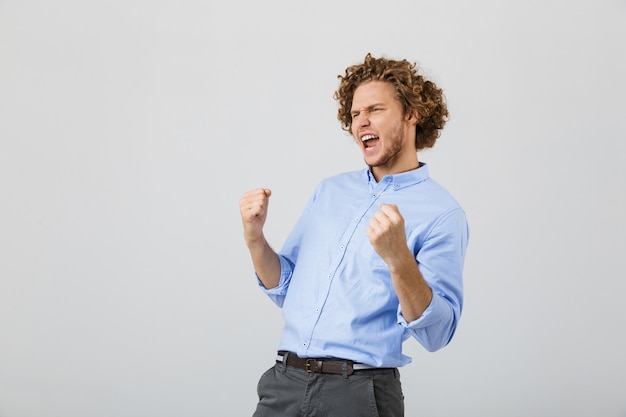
(395, 147)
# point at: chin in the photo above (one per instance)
(374, 162)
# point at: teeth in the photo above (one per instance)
(368, 137)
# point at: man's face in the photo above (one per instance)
(385, 134)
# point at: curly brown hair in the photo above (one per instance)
(412, 90)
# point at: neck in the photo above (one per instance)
(378, 175)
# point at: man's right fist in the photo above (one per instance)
(253, 207)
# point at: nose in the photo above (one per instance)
(361, 119)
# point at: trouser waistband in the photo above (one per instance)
(322, 365)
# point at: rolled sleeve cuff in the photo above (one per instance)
(277, 294)
(437, 309)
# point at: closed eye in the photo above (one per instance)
(371, 110)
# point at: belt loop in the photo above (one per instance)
(283, 365)
(344, 369)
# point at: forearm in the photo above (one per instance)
(266, 262)
(413, 292)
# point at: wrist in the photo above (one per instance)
(401, 261)
(255, 241)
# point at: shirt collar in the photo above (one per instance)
(403, 179)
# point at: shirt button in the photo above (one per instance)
(341, 247)
(356, 219)
(317, 310)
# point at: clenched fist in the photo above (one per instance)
(253, 207)
(386, 232)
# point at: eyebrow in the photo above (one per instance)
(371, 106)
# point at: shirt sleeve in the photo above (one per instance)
(277, 294)
(288, 256)
(441, 260)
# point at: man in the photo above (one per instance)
(377, 256)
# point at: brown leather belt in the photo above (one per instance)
(321, 365)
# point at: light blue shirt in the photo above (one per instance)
(335, 291)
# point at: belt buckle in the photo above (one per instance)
(307, 365)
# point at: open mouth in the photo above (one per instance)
(369, 141)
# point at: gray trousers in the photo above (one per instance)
(285, 391)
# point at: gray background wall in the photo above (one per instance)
(129, 130)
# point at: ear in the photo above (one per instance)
(412, 116)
